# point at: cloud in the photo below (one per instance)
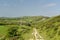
(50, 5)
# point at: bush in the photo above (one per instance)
(13, 33)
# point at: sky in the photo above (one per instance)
(17, 8)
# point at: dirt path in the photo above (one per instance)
(36, 35)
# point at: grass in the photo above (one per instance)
(3, 30)
(49, 28)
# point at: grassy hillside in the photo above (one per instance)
(48, 27)
(25, 25)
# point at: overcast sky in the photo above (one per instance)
(17, 8)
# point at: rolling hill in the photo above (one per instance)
(47, 27)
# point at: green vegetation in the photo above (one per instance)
(22, 28)
(50, 28)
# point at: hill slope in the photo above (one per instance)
(47, 27)
(25, 24)
(50, 28)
